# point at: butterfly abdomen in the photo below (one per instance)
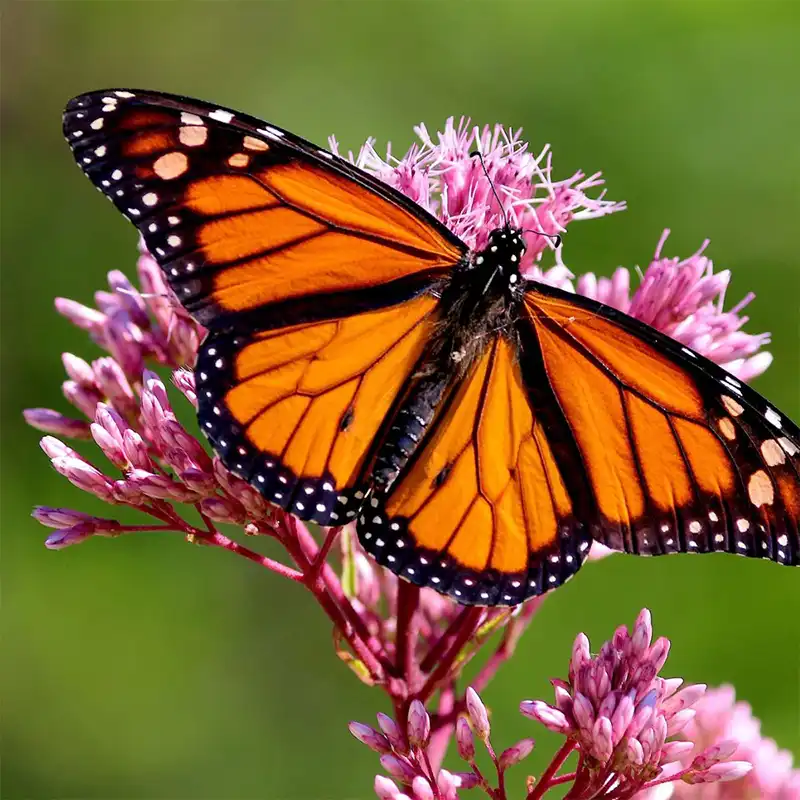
(408, 429)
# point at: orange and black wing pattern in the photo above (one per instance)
(253, 226)
(585, 425)
(678, 454)
(295, 410)
(486, 510)
(362, 365)
(313, 277)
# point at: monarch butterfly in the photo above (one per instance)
(362, 364)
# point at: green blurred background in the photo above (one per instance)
(144, 668)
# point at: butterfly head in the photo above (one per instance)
(502, 256)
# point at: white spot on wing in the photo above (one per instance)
(221, 116)
(271, 133)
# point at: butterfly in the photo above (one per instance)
(363, 365)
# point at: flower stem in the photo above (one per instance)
(441, 736)
(331, 535)
(546, 781)
(440, 645)
(508, 644)
(223, 541)
(406, 635)
(469, 619)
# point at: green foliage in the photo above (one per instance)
(145, 668)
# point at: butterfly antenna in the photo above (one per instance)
(491, 183)
(556, 237)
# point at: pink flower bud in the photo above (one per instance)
(199, 481)
(385, 788)
(419, 724)
(674, 751)
(464, 740)
(114, 385)
(224, 509)
(161, 487)
(175, 433)
(86, 477)
(635, 752)
(726, 771)
(392, 732)
(54, 448)
(398, 767)
(477, 714)
(68, 536)
(124, 492)
(516, 753)
(111, 447)
(642, 632)
(679, 721)
(184, 380)
(713, 755)
(127, 352)
(155, 386)
(61, 517)
(78, 314)
(580, 655)
(135, 450)
(551, 718)
(465, 780)
(49, 421)
(78, 370)
(602, 744)
(659, 652)
(447, 785)
(582, 711)
(563, 695)
(129, 298)
(422, 789)
(622, 717)
(85, 400)
(370, 737)
(643, 714)
(685, 698)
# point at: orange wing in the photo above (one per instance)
(481, 511)
(584, 424)
(295, 410)
(313, 277)
(679, 455)
(253, 226)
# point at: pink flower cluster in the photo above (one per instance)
(622, 720)
(636, 735)
(718, 717)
